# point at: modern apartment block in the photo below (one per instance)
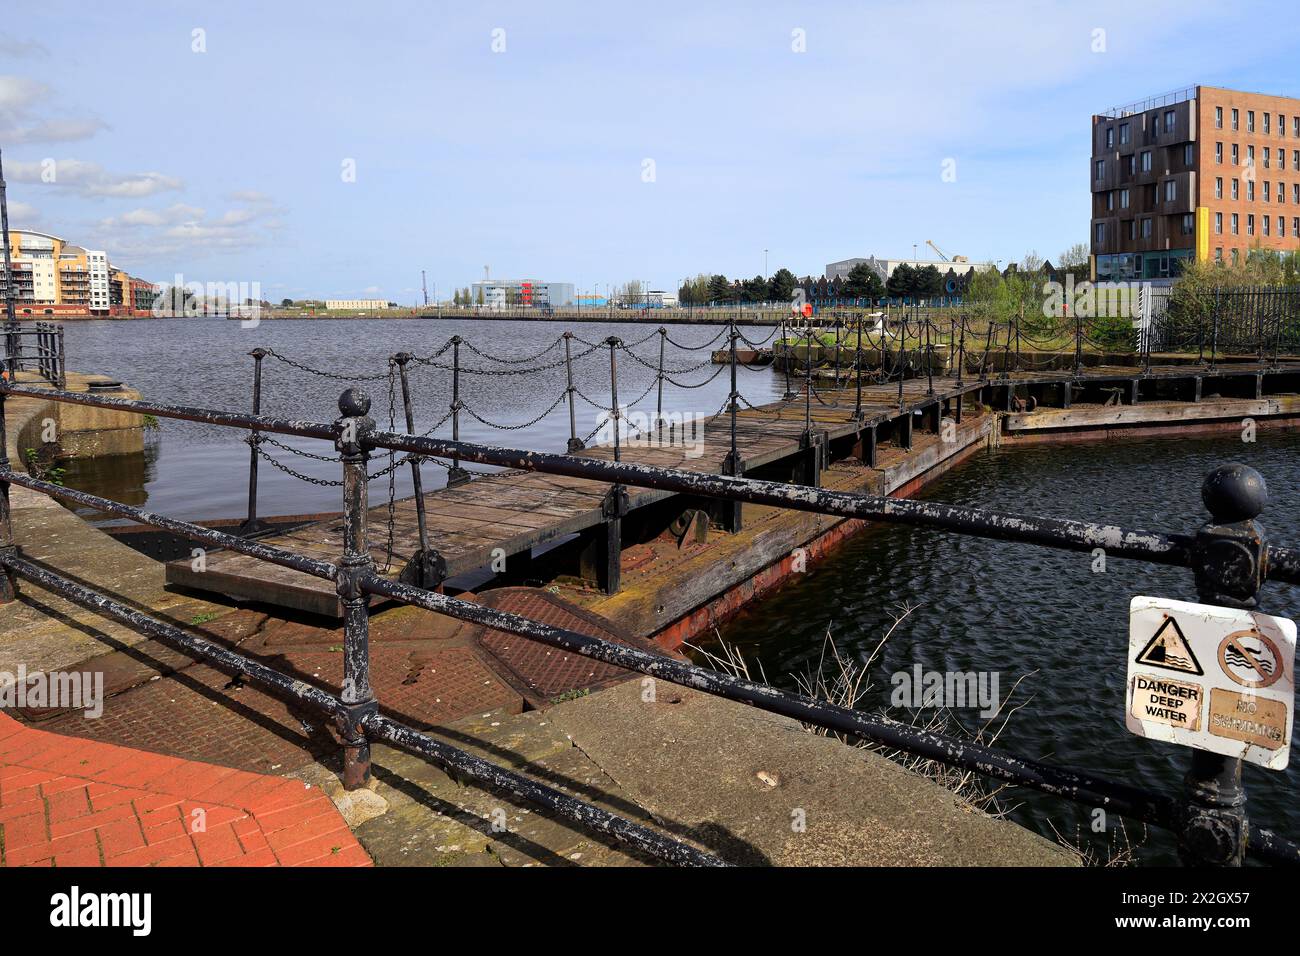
(1203, 173)
(53, 277)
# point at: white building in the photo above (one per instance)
(522, 294)
(960, 265)
(356, 303)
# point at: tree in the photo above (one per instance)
(755, 289)
(694, 291)
(719, 289)
(1032, 261)
(782, 285)
(863, 282)
(286, 303)
(928, 282)
(902, 282)
(480, 295)
(1074, 257)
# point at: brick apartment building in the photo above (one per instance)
(1202, 173)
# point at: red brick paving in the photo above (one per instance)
(65, 801)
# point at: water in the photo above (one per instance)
(197, 471)
(980, 605)
(1035, 613)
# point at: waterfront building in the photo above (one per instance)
(356, 303)
(54, 277)
(1201, 173)
(522, 294)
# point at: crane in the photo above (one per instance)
(942, 255)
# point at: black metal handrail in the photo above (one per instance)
(44, 356)
(1210, 820)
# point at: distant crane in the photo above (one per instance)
(424, 285)
(942, 254)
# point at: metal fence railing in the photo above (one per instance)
(37, 348)
(1209, 816)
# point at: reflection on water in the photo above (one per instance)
(1035, 613)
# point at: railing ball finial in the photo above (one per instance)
(353, 403)
(1234, 492)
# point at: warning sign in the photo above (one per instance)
(1168, 648)
(1213, 678)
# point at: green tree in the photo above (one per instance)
(719, 289)
(902, 282)
(782, 285)
(929, 282)
(755, 289)
(286, 303)
(863, 282)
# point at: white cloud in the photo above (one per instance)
(147, 236)
(21, 212)
(23, 103)
(91, 179)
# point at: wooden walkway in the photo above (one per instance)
(512, 513)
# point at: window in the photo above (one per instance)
(1169, 121)
(1101, 169)
(1250, 224)
(1146, 161)
(1266, 190)
(1171, 190)
(1146, 228)
(1218, 117)
(1110, 201)
(1250, 121)
(1123, 199)
(1101, 234)
(1281, 226)
(1236, 190)
(1295, 227)
(1236, 155)
(1266, 121)
(1235, 253)
(1295, 125)
(1189, 224)
(1234, 119)
(1110, 137)
(1218, 253)
(1266, 152)
(1250, 190)
(1218, 224)
(1189, 156)
(1295, 193)
(1250, 155)
(1295, 159)
(1235, 221)
(1132, 228)
(1218, 153)
(1218, 187)
(1131, 164)
(1124, 136)
(1265, 225)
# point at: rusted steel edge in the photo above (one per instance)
(1157, 810)
(444, 755)
(218, 539)
(1174, 549)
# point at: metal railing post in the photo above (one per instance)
(929, 357)
(659, 381)
(1214, 329)
(1078, 343)
(574, 443)
(429, 567)
(788, 359)
(615, 504)
(961, 352)
(250, 524)
(63, 372)
(1228, 559)
(731, 518)
(8, 549)
(456, 475)
(857, 367)
(358, 700)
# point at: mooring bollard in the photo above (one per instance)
(1229, 565)
(429, 567)
(8, 549)
(250, 524)
(358, 701)
(575, 443)
(456, 475)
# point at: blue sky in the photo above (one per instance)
(228, 164)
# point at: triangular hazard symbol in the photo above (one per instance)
(1170, 650)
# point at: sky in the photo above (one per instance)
(331, 149)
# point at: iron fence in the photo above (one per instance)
(37, 348)
(1229, 556)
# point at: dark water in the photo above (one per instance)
(198, 471)
(991, 606)
(980, 605)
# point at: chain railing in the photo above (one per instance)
(1209, 816)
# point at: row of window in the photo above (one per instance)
(1265, 223)
(1250, 190)
(1266, 117)
(1126, 133)
(1266, 153)
(1142, 228)
(1131, 163)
